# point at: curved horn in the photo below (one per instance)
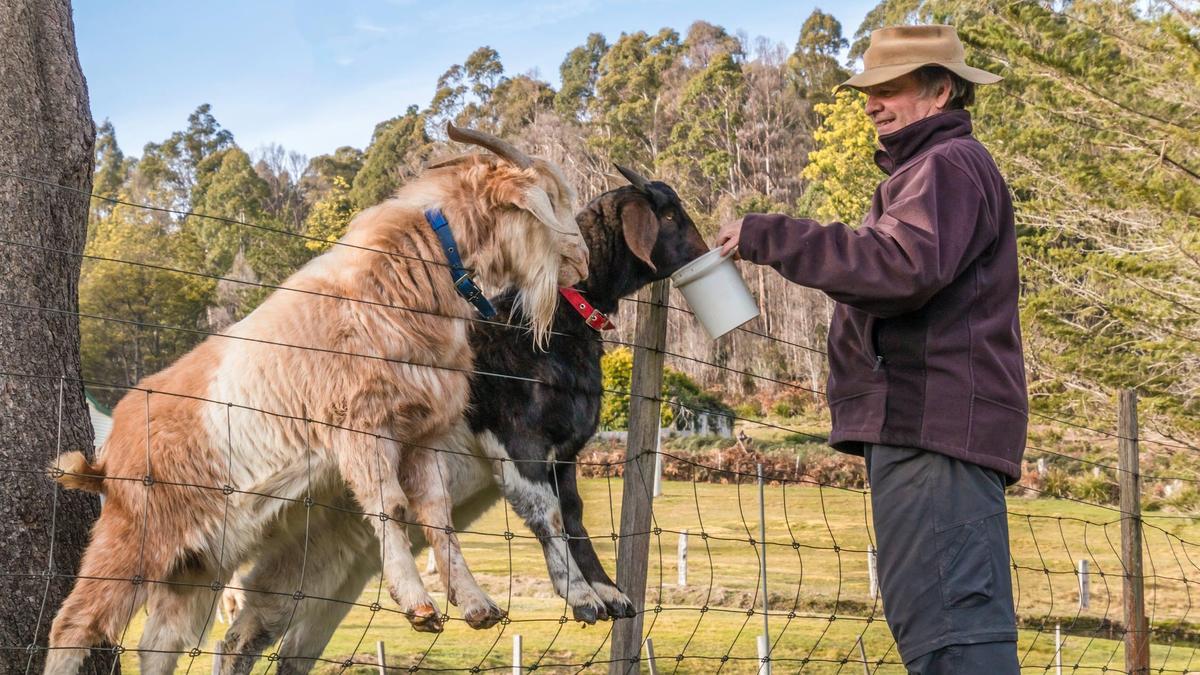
(635, 178)
(503, 149)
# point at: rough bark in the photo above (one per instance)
(46, 132)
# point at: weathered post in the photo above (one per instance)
(1137, 633)
(658, 464)
(637, 497)
(650, 660)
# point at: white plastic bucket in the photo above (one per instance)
(716, 293)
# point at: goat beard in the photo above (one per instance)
(519, 237)
(537, 300)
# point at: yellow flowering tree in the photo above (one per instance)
(842, 171)
(329, 217)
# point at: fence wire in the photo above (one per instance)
(824, 609)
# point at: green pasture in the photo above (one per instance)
(821, 579)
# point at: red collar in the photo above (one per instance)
(593, 317)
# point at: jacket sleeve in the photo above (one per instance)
(933, 228)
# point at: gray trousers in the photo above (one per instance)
(941, 526)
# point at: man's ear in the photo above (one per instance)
(942, 97)
(639, 225)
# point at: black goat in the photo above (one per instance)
(521, 437)
(635, 235)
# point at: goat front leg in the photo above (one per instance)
(615, 601)
(371, 467)
(427, 478)
(528, 488)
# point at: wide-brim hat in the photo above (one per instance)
(899, 50)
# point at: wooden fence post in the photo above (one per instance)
(637, 496)
(650, 660)
(1137, 631)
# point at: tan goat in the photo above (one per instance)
(308, 391)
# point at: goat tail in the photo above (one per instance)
(73, 471)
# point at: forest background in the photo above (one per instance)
(1096, 127)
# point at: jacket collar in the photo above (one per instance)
(901, 146)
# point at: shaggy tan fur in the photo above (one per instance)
(379, 385)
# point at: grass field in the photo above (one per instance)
(823, 581)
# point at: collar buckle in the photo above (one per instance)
(596, 320)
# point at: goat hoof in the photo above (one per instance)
(586, 613)
(621, 608)
(483, 617)
(426, 619)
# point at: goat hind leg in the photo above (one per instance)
(315, 623)
(93, 614)
(104, 597)
(339, 554)
(342, 556)
(176, 623)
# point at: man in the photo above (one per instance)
(926, 374)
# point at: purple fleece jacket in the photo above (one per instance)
(925, 340)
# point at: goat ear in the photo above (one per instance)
(639, 225)
(536, 201)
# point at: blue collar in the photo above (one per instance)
(460, 275)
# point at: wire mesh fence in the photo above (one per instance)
(748, 564)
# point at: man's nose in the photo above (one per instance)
(873, 105)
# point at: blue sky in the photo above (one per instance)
(313, 75)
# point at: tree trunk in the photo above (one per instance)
(46, 132)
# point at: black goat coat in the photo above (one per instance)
(560, 413)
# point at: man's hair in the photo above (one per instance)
(962, 92)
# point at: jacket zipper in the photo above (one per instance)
(872, 349)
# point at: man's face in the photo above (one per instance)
(898, 103)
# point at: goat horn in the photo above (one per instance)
(634, 177)
(502, 149)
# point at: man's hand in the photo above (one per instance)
(728, 237)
